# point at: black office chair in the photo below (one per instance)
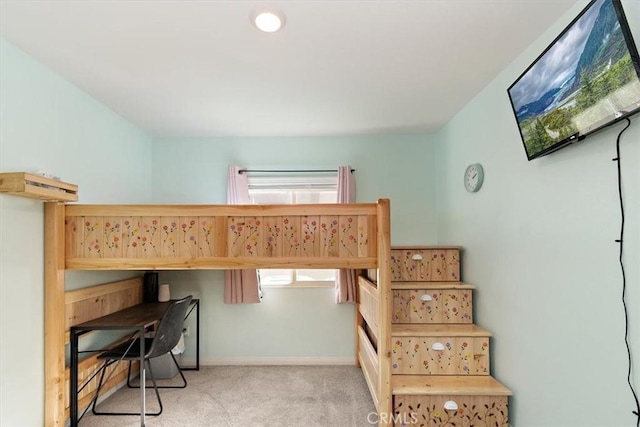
(166, 337)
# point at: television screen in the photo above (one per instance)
(588, 78)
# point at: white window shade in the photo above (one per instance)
(292, 182)
(268, 190)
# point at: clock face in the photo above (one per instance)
(473, 177)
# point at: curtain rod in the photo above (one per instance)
(241, 171)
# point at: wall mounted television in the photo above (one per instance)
(586, 79)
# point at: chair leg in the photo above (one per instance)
(95, 398)
(155, 386)
(184, 380)
(150, 414)
(100, 371)
(129, 376)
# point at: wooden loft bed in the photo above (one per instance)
(173, 237)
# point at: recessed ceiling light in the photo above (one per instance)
(268, 21)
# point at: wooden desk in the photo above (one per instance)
(135, 319)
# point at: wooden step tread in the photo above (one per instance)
(425, 385)
(437, 330)
(418, 247)
(430, 285)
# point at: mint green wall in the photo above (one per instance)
(539, 246)
(399, 167)
(47, 124)
(300, 323)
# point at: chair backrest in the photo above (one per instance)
(169, 329)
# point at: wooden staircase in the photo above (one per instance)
(440, 370)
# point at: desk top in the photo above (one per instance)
(137, 316)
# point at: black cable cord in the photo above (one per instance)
(624, 280)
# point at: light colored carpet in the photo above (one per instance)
(230, 396)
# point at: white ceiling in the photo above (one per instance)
(199, 68)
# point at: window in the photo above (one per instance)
(294, 190)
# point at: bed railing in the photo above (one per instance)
(104, 237)
(368, 331)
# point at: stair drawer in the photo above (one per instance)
(433, 306)
(415, 264)
(440, 355)
(450, 410)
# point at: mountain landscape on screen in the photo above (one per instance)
(584, 80)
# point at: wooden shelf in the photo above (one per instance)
(37, 187)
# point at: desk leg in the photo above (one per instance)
(143, 380)
(73, 380)
(196, 307)
(198, 336)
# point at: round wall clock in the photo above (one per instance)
(473, 177)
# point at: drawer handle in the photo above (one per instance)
(416, 257)
(450, 405)
(438, 346)
(426, 297)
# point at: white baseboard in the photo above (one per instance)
(263, 361)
